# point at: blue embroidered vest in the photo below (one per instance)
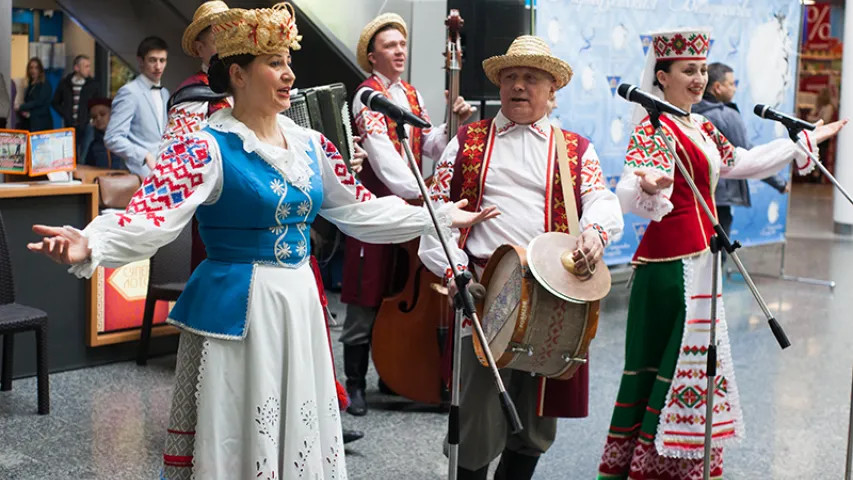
(259, 218)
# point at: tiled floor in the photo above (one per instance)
(108, 422)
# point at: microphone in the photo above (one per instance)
(764, 111)
(374, 100)
(648, 101)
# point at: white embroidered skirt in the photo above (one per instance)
(265, 407)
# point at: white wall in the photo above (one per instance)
(6, 32)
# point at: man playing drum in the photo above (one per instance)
(510, 161)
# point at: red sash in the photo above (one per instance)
(686, 230)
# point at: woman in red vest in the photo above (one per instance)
(659, 419)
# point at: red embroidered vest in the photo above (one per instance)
(367, 176)
(472, 166)
(686, 230)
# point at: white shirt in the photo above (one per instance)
(516, 183)
(388, 165)
(156, 98)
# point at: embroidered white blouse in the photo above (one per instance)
(516, 184)
(390, 167)
(119, 238)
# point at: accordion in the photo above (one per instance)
(325, 109)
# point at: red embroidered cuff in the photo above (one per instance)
(601, 232)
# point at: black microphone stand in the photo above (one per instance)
(719, 241)
(464, 302)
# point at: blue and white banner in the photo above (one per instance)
(605, 42)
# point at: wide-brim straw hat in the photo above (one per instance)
(201, 20)
(370, 30)
(532, 52)
(259, 31)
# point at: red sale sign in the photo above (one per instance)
(818, 27)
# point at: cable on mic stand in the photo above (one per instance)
(464, 304)
(719, 241)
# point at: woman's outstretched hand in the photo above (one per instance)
(61, 244)
(462, 219)
(824, 132)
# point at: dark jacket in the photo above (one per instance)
(37, 103)
(726, 117)
(92, 151)
(63, 101)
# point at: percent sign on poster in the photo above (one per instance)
(818, 26)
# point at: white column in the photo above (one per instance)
(842, 210)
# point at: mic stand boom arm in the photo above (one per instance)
(794, 134)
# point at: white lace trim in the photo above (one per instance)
(444, 222)
(293, 163)
(88, 268)
(202, 366)
(805, 165)
(656, 205)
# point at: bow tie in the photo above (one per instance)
(156, 87)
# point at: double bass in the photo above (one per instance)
(411, 327)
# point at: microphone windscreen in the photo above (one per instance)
(623, 90)
(760, 110)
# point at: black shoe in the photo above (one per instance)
(352, 435)
(515, 466)
(356, 360)
(481, 474)
(357, 403)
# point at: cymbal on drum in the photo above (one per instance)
(543, 259)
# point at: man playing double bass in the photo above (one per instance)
(382, 50)
(510, 161)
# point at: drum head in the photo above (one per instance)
(503, 299)
(543, 258)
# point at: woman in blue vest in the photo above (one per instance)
(254, 394)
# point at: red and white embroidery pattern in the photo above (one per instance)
(592, 179)
(726, 149)
(183, 122)
(369, 122)
(344, 175)
(172, 181)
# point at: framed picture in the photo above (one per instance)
(13, 151)
(119, 304)
(52, 151)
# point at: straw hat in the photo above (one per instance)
(528, 51)
(370, 30)
(260, 31)
(201, 20)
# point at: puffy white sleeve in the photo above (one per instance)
(430, 251)
(357, 213)
(386, 162)
(184, 119)
(600, 206)
(188, 174)
(645, 151)
(763, 160)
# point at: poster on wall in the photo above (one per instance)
(121, 298)
(52, 151)
(606, 45)
(13, 151)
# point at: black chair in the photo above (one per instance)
(16, 318)
(168, 274)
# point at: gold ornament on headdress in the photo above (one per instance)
(260, 31)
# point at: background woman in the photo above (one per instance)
(35, 111)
